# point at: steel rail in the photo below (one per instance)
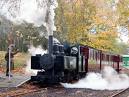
(21, 92)
(118, 93)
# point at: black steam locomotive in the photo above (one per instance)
(67, 63)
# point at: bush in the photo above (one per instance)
(2, 60)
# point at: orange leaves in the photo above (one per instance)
(107, 35)
(103, 40)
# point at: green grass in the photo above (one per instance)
(2, 55)
(19, 59)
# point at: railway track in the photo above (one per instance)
(24, 89)
(21, 92)
(118, 94)
(27, 89)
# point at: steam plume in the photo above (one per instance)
(109, 79)
(33, 51)
(33, 11)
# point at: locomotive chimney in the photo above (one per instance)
(50, 44)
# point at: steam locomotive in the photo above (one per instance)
(67, 63)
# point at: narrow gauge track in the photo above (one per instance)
(119, 93)
(21, 92)
(26, 89)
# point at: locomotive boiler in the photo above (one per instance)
(66, 63)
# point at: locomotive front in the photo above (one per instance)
(54, 66)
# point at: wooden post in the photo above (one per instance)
(10, 50)
(118, 60)
(100, 60)
(86, 59)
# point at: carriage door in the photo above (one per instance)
(85, 53)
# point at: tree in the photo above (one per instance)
(27, 34)
(74, 19)
(123, 12)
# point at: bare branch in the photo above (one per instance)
(13, 6)
(41, 3)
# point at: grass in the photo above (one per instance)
(2, 60)
(19, 59)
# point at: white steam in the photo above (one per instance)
(29, 11)
(36, 50)
(33, 51)
(37, 12)
(108, 79)
(50, 16)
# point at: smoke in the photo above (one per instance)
(38, 12)
(50, 16)
(28, 11)
(36, 50)
(108, 79)
(33, 51)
